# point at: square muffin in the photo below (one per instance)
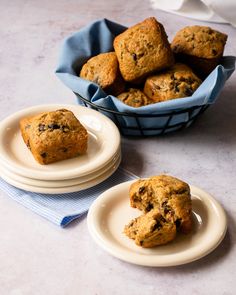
(54, 136)
(143, 49)
(179, 81)
(200, 47)
(103, 69)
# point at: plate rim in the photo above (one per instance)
(57, 183)
(137, 258)
(64, 190)
(52, 174)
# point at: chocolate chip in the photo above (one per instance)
(168, 210)
(162, 219)
(134, 56)
(42, 127)
(28, 145)
(141, 189)
(178, 223)
(65, 150)
(157, 226)
(176, 89)
(149, 207)
(214, 52)
(188, 91)
(164, 204)
(53, 126)
(65, 128)
(27, 126)
(141, 243)
(43, 155)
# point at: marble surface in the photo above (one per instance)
(37, 257)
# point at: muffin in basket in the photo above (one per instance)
(177, 82)
(143, 49)
(200, 47)
(103, 69)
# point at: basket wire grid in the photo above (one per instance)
(193, 114)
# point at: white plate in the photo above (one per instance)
(63, 190)
(103, 143)
(58, 183)
(111, 211)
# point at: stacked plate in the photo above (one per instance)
(18, 167)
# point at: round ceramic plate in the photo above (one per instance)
(103, 143)
(63, 190)
(59, 183)
(111, 211)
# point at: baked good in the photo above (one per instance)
(170, 195)
(103, 69)
(54, 136)
(134, 98)
(179, 81)
(200, 47)
(143, 49)
(151, 229)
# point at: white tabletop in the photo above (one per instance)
(37, 257)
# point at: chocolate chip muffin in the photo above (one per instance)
(103, 69)
(169, 195)
(200, 47)
(179, 81)
(134, 98)
(54, 136)
(143, 49)
(150, 230)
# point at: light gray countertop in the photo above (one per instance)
(37, 257)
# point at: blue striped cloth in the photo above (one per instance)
(61, 209)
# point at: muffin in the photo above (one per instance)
(169, 195)
(103, 69)
(200, 47)
(177, 82)
(54, 136)
(143, 49)
(134, 98)
(150, 230)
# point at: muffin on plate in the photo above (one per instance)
(54, 136)
(178, 81)
(200, 47)
(169, 195)
(143, 49)
(151, 229)
(103, 69)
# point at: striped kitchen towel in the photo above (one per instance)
(61, 209)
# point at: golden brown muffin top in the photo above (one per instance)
(199, 41)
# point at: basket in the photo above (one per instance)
(154, 119)
(137, 129)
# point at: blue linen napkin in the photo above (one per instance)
(98, 37)
(61, 209)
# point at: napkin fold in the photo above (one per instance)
(206, 10)
(61, 209)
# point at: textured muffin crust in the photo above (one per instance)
(177, 82)
(143, 49)
(200, 47)
(150, 230)
(168, 194)
(103, 69)
(134, 98)
(199, 41)
(54, 136)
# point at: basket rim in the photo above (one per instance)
(135, 115)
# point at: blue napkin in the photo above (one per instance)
(97, 38)
(61, 209)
